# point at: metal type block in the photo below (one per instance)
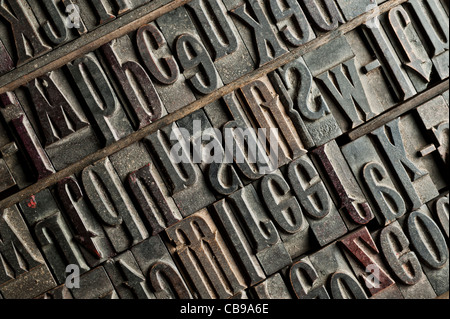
(6, 178)
(434, 116)
(242, 295)
(372, 175)
(257, 160)
(342, 85)
(272, 288)
(432, 24)
(152, 197)
(205, 256)
(23, 272)
(6, 63)
(304, 280)
(401, 142)
(58, 293)
(185, 180)
(100, 98)
(429, 244)
(58, 118)
(329, 55)
(260, 36)
(159, 61)
(336, 274)
(306, 107)
(127, 278)
(286, 213)
(95, 284)
(113, 206)
(404, 264)
(264, 106)
(445, 95)
(323, 217)
(13, 171)
(15, 160)
(59, 20)
(87, 230)
(95, 13)
(261, 232)
(274, 258)
(344, 188)
(240, 245)
(208, 152)
(388, 59)
(440, 209)
(143, 103)
(53, 234)
(130, 159)
(353, 8)
(363, 255)
(160, 271)
(20, 32)
(222, 39)
(228, 116)
(194, 59)
(30, 145)
(378, 89)
(324, 15)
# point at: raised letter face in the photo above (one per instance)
(194, 240)
(16, 247)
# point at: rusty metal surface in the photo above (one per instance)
(224, 149)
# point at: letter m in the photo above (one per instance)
(15, 257)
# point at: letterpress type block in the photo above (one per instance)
(306, 107)
(95, 284)
(344, 188)
(87, 229)
(440, 209)
(429, 244)
(207, 150)
(113, 205)
(53, 234)
(286, 213)
(221, 38)
(185, 180)
(159, 60)
(404, 264)
(23, 273)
